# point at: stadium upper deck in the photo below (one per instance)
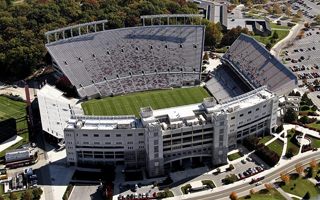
(258, 67)
(125, 60)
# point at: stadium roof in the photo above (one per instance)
(258, 66)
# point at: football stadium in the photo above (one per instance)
(141, 101)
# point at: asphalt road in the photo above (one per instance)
(246, 186)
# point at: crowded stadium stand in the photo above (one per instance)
(257, 67)
(118, 61)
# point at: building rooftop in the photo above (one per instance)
(53, 93)
(102, 122)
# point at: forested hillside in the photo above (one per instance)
(23, 24)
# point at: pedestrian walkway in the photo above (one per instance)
(283, 193)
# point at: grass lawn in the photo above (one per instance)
(265, 195)
(130, 104)
(10, 108)
(265, 139)
(15, 109)
(300, 186)
(20, 194)
(276, 26)
(234, 156)
(276, 146)
(281, 33)
(291, 145)
(314, 125)
(315, 142)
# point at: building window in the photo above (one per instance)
(155, 134)
(129, 135)
(257, 109)
(140, 134)
(107, 135)
(221, 138)
(95, 135)
(85, 135)
(249, 112)
(264, 105)
(233, 117)
(155, 142)
(241, 115)
(222, 123)
(118, 135)
(96, 142)
(156, 155)
(221, 131)
(156, 149)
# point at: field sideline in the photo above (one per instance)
(130, 104)
(15, 109)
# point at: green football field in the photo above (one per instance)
(10, 108)
(15, 109)
(130, 104)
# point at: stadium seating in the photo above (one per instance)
(258, 66)
(130, 59)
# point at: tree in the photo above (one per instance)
(234, 196)
(306, 196)
(27, 195)
(275, 35)
(313, 165)
(213, 34)
(252, 191)
(299, 14)
(248, 3)
(288, 10)
(206, 56)
(37, 193)
(268, 46)
(13, 196)
(317, 19)
(289, 152)
(276, 9)
(307, 25)
(233, 34)
(234, 2)
(290, 116)
(299, 169)
(304, 119)
(279, 128)
(285, 177)
(268, 186)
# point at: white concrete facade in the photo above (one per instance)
(205, 131)
(55, 110)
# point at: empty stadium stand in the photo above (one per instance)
(254, 63)
(225, 84)
(112, 62)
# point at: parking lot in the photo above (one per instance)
(303, 57)
(241, 170)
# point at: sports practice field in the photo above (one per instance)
(130, 104)
(17, 110)
(10, 108)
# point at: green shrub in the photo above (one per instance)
(185, 189)
(209, 183)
